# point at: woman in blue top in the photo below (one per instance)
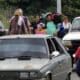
(51, 27)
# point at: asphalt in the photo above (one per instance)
(74, 76)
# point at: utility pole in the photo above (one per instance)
(59, 6)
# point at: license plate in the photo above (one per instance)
(24, 75)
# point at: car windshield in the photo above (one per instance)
(33, 47)
(76, 25)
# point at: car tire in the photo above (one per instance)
(68, 76)
(49, 76)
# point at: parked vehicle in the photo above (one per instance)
(72, 38)
(34, 57)
(2, 31)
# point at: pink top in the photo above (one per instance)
(43, 31)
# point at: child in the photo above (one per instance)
(40, 29)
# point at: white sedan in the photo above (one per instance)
(34, 57)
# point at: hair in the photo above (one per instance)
(38, 15)
(65, 17)
(18, 12)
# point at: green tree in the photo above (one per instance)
(33, 6)
(71, 8)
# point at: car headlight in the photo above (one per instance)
(67, 43)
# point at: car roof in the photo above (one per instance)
(77, 18)
(24, 36)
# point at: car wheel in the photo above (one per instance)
(68, 76)
(49, 76)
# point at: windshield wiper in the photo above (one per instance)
(1, 58)
(24, 57)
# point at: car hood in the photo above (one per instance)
(15, 64)
(72, 36)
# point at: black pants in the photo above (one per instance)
(78, 67)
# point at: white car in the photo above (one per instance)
(33, 57)
(72, 39)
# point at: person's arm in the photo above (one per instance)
(29, 26)
(57, 29)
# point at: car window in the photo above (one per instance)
(76, 25)
(58, 47)
(34, 47)
(50, 46)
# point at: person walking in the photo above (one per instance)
(35, 23)
(15, 27)
(66, 24)
(77, 60)
(26, 22)
(40, 29)
(51, 28)
(19, 24)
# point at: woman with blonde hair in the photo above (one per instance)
(66, 24)
(18, 23)
(14, 26)
(26, 21)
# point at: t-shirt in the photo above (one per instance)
(42, 31)
(67, 25)
(51, 28)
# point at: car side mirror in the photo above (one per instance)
(55, 53)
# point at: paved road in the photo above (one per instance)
(74, 76)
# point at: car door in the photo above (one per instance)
(55, 62)
(63, 62)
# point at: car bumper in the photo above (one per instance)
(18, 75)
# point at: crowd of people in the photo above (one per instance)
(52, 25)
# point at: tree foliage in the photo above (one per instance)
(33, 6)
(69, 7)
